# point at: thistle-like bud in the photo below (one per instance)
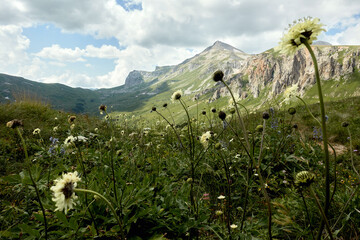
(266, 115)
(213, 110)
(295, 126)
(14, 123)
(165, 105)
(203, 112)
(259, 128)
(218, 76)
(304, 179)
(345, 124)
(232, 110)
(218, 146)
(153, 109)
(291, 111)
(222, 115)
(119, 152)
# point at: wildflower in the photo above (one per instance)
(304, 178)
(14, 123)
(107, 117)
(36, 131)
(205, 139)
(176, 95)
(213, 110)
(189, 180)
(63, 191)
(266, 115)
(153, 109)
(203, 112)
(221, 197)
(259, 128)
(96, 130)
(222, 115)
(69, 140)
(219, 212)
(218, 76)
(165, 105)
(72, 126)
(306, 29)
(122, 132)
(290, 93)
(71, 119)
(233, 226)
(102, 108)
(232, 110)
(55, 128)
(206, 196)
(291, 111)
(218, 146)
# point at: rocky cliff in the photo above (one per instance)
(277, 72)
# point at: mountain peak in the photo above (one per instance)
(218, 45)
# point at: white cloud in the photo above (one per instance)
(160, 34)
(55, 52)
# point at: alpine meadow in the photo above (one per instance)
(224, 145)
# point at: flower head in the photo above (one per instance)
(36, 131)
(304, 178)
(176, 95)
(102, 108)
(205, 139)
(63, 191)
(221, 197)
(14, 123)
(71, 119)
(69, 141)
(305, 29)
(233, 226)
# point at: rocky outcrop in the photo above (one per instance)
(278, 72)
(134, 78)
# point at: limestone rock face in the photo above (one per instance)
(134, 78)
(277, 72)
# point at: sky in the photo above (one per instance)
(96, 43)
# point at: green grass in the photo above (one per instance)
(152, 181)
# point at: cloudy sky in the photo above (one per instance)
(96, 43)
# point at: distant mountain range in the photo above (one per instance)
(255, 78)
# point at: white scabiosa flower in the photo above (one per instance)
(204, 140)
(221, 197)
(36, 131)
(63, 191)
(69, 141)
(233, 226)
(306, 29)
(176, 95)
(290, 93)
(55, 128)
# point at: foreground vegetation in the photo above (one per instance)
(160, 192)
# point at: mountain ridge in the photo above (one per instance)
(254, 78)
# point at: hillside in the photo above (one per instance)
(256, 80)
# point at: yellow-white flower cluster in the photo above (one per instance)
(63, 191)
(290, 93)
(304, 29)
(204, 140)
(176, 96)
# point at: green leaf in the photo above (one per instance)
(61, 216)
(29, 230)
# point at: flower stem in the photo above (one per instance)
(108, 203)
(28, 163)
(322, 213)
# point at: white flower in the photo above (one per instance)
(96, 130)
(290, 93)
(63, 191)
(55, 128)
(68, 141)
(72, 126)
(36, 131)
(221, 197)
(176, 95)
(233, 226)
(80, 139)
(219, 212)
(205, 139)
(304, 29)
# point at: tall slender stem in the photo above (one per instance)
(28, 163)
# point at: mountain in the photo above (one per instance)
(256, 79)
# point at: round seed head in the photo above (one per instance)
(291, 111)
(222, 115)
(218, 76)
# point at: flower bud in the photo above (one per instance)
(345, 124)
(266, 115)
(222, 115)
(218, 76)
(291, 111)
